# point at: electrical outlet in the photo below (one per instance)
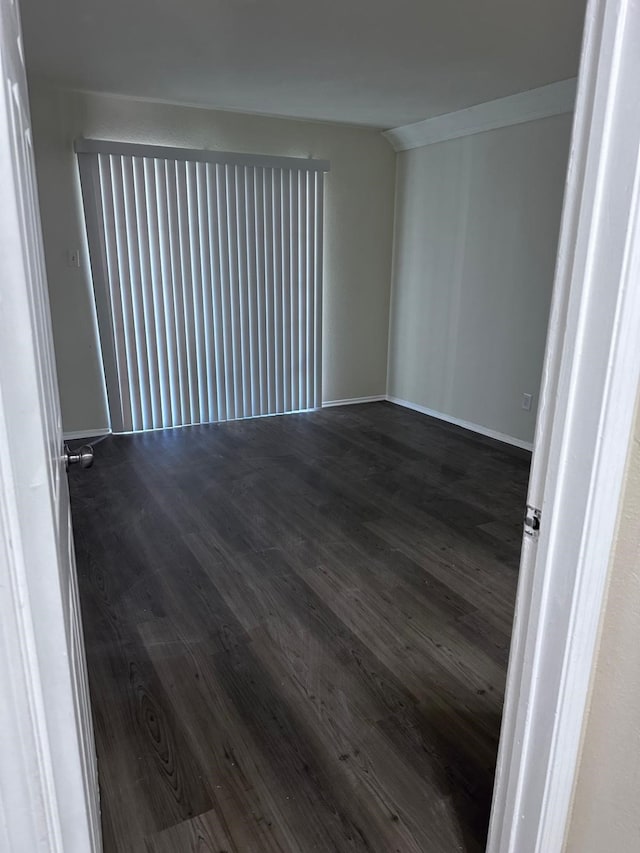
(73, 258)
(526, 402)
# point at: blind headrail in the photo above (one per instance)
(163, 152)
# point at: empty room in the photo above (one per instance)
(300, 262)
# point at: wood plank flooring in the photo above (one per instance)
(297, 631)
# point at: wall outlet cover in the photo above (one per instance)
(527, 399)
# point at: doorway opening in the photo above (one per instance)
(342, 520)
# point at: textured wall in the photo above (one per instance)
(477, 221)
(359, 201)
(605, 816)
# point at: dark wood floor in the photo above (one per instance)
(297, 631)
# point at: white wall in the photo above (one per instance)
(358, 230)
(605, 814)
(476, 231)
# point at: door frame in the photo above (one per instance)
(585, 422)
(592, 362)
(29, 818)
(48, 775)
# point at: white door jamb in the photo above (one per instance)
(591, 401)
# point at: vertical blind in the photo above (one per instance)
(207, 273)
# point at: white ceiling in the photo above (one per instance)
(382, 63)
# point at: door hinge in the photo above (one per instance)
(532, 522)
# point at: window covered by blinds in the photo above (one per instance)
(207, 273)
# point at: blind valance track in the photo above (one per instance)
(163, 152)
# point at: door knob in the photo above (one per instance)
(83, 456)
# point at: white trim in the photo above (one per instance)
(350, 401)
(43, 82)
(562, 587)
(48, 784)
(135, 149)
(490, 433)
(27, 784)
(86, 433)
(552, 100)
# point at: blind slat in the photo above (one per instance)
(153, 235)
(198, 339)
(135, 293)
(178, 315)
(294, 250)
(285, 243)
(216, 293)
(250, 242)
(174, 413)
(268, 289)
(125, 293)
(123, 415)
(187, 294)
(148, 319)
(300, 322)
(243, 292)
(206, 289)
(259, 227)
(308, 320)
(235, 356)
(225, 290)
(317, 290)
(278, 365)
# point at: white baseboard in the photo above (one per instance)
(86, 433)
(350, 401)
(490, 433)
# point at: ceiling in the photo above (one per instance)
(381, 63)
